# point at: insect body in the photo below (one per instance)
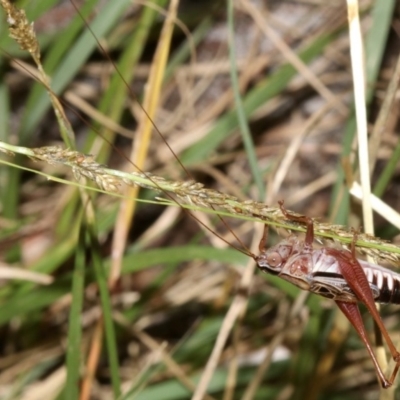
(338, 275)
(319, 271)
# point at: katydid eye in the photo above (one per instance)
(274, 259)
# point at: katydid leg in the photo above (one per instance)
(304, 220)
(352, 313)
(355, 277)
(263, 242)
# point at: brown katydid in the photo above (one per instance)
(338, 275)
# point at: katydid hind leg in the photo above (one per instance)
(355, 277)
(370, 304)
(352, 313)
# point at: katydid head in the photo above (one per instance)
(274, 259)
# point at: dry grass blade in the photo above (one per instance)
(359, 79)
(358, 70)
(13, 273)
(142, 139)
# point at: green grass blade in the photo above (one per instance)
(241, 115)
(137, 261)
(74, 360)
(388, 172)
(110, 337)
(33, 300)
(4, 136)
(376, 39)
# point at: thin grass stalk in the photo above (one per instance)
(243, 124)
(4, 136)
(375, 39)
(384, 114)
(391, 165)
(73, 61)
(113, 101)
(257, 176)
(55, 58)
(359, 81)
(74, 346)
(237, 306)
(195, 194)
(92, 361)
(106, 306)
(142, 141)
(388, 172)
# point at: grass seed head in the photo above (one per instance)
(21, 30)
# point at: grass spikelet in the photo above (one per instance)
(21, 30)
(194, 193)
